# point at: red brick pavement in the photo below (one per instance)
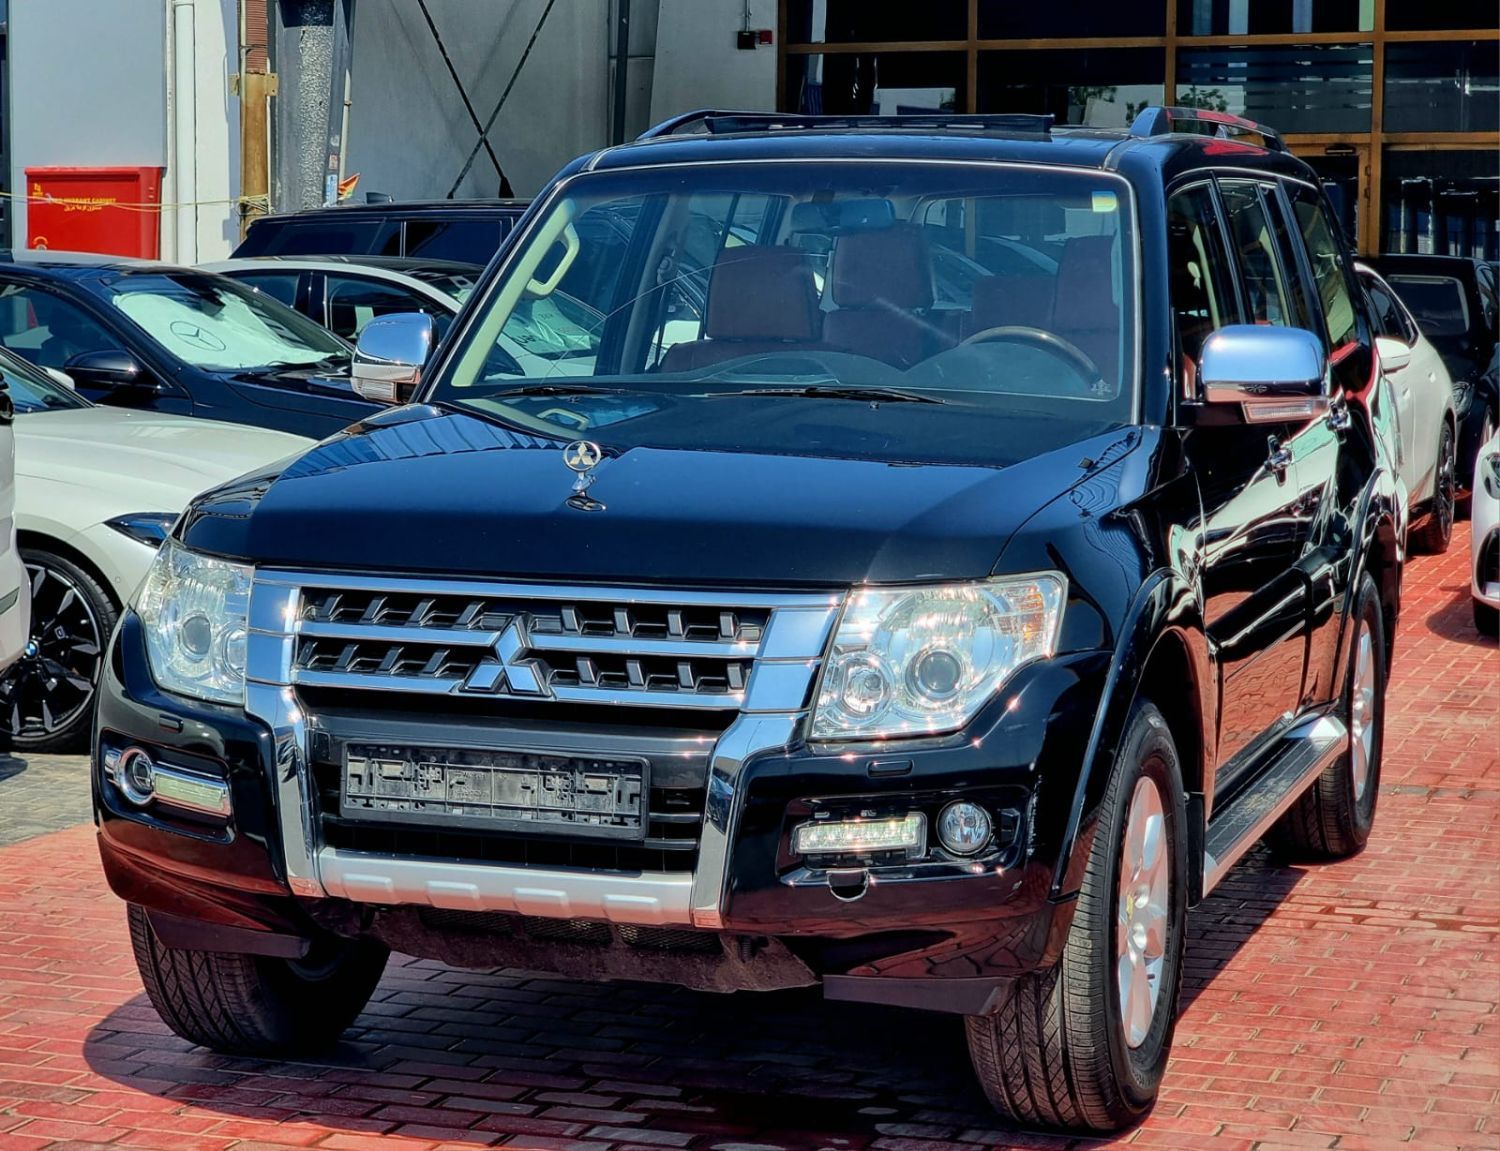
(1350, 1006)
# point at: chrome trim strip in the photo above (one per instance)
(652, 899)
(628, 645)
(334, 581)
(417, 685)
(780, 686)
(189, 791)
(747, 737)
(398, 633)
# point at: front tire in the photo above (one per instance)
(1083, 1045)
(1436, 532)
(1332, 819)
(251, 1004)
(47, 695)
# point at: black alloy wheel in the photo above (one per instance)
(47, 695)
(1436, 532)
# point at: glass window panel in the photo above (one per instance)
(1442, 87)
(1340, 321)
(1261, 279)
(1273, 17)
(876, 83)
(1015, 20)
(866, 21)
(1416, 15)
(1444, 202)
(1296, 88)
(1202, 278)
(1101, 87)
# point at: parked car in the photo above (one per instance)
(1428, 417)
(15, 589)
(344, 293)
(1485, 540)
(97, 490)
(1456, 301)
(176, 340)
(469, 231)
(943, 661)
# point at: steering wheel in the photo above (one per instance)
(1047, 342)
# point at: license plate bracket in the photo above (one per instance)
(528, 792)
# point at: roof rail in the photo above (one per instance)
(1159, 121)
(714, 123)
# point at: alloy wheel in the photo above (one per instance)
(53, 682)
(1362, 717)
(1143, 912)
(1446, 486)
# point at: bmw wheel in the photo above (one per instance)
(47, 696)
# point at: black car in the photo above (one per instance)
(468, 231)
(938, 650)
(1456, 302)
(170, 339)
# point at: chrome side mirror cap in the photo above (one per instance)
(1275, 374)
(390, 354)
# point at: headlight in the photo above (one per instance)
(195, 609)
(921, 661)
(149, 528)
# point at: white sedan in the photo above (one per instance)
(1427, 460)
(97, 490)
(1484, 559)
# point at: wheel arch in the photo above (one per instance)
(1162, 646)
(29, 538)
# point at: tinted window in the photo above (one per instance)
(322, 235)
(31, 390)
(1262, 277)
(470, 241)
(353, 302)
(46, 329)
(1389, 320)
(1437, 302)
(1203, 296)
(1324, 254)
(278, 285)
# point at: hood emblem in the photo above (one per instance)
(581, 457)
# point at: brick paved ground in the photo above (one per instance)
(1351, 1006)
(41, 793)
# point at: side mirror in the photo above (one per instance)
(109, 370)
(1394, 355)
(1274, 374)
(58, 376)
(389, 356)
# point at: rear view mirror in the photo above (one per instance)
(390, 354)
(1394, 355)
(1274, 374)
(109, 370)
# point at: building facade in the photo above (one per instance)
(1395, 103)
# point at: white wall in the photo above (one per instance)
(89, 88)
(698, 64)
(408, 131)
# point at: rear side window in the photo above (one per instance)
(1389, 319)
(468, 241)
(1202, 281)
(322, 236)
(353, 302)
(1437, 301)
(1320, 236)
(278, 285)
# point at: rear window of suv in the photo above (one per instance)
(1438, 303)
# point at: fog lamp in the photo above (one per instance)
(858, 836)
(964, 828)
(135, 775)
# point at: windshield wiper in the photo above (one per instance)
(866, 395)
(561, 390)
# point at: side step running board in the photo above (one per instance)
(1302, 756)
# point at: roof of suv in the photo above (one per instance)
(498, 207)
(1018, 139)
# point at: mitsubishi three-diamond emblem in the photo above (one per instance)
(514, 674)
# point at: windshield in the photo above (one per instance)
(998, 292)
(213, 322)
(32, 390)
(1437, 302)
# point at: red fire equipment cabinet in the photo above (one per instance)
(115, 211)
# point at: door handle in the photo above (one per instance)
(1278, 459)
(1338, 414)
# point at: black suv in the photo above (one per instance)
(935, 614)
(469, 231)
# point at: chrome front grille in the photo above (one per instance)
(575, 645)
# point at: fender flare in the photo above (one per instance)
(1166, 606)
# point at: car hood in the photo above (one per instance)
(140, 461)
(436, 492)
